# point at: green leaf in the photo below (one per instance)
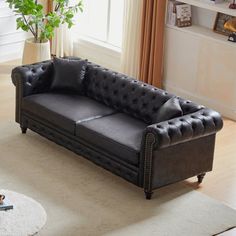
(33, 16)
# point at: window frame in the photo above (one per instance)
(99, 51)
(107, 42)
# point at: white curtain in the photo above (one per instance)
(62, 43)
(130, 56)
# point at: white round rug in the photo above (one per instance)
(26, 218)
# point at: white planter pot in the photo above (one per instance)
(35, 52)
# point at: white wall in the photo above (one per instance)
(203, 17)
(100, 54)
(11, 40)
(200, 64)
(201, 69)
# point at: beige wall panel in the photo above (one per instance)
(202, 69)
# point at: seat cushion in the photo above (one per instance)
(64, 110)
(117, 134)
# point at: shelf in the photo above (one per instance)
(204, 32)
(217, 7)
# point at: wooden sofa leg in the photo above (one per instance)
(201, 177)
(148, 195)
(23, 129)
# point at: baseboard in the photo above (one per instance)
(226, 111)
(10, 57)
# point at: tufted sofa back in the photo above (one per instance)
(129, 95)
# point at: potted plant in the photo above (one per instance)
(31, 17)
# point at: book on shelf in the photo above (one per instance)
(179, 14)
(6, 205)
(183, 15)
(171, 13)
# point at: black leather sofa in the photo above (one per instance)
(113, 125)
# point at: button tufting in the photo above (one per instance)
(147, 117)
(214, 121)
(204, 122)
(169, 131)
(154, 109)
(194, 126)
(130, 91)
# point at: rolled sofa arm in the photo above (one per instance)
(178, 130)
(32, 79)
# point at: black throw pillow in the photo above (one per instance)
(169, 110)
(68, 75)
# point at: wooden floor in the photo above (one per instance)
(219, 184)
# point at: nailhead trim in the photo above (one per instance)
(149, 142)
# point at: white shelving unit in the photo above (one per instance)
(204, 32)
(199, 63)
(206, 4)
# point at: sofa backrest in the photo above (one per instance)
(129, 95)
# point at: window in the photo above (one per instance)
(102, 20)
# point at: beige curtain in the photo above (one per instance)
(131, 37)
(152, 40)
